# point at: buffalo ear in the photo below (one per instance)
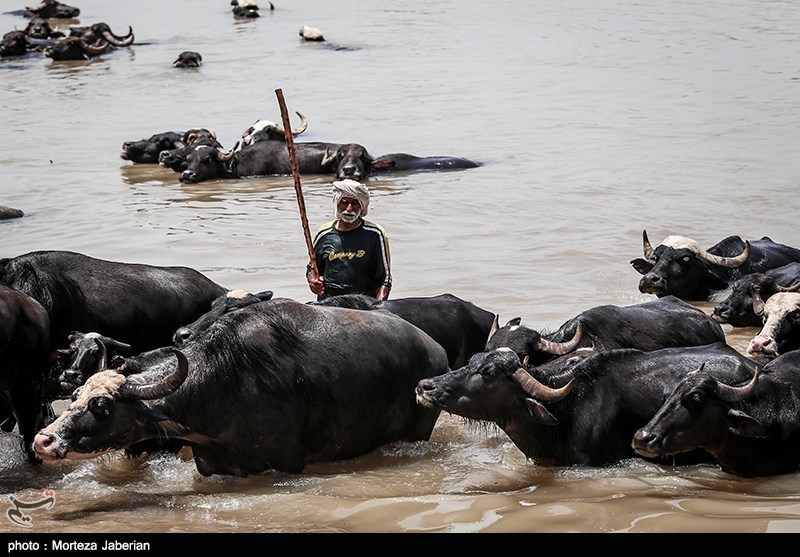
(642, 266)
(539, 413)
(514, 322)
(382, 164)
(744, 425)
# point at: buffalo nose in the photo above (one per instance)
(41, 443)
(188, 176)
(761, 345)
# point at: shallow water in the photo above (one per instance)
(593, 121)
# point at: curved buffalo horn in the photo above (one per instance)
(94, 50)
(165, 386)
(791, 288)
(561, 348)
(225, 156)
(727, 261)
(495, 327)
(113, 343)
(127, 40)
(735, 394)
(648, 250)
(303, 125)
(102, 361)
(539, 391)
(758, 303)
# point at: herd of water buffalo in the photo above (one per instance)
(157, 358)
(198, 156)
(39, 36)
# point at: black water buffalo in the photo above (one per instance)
(99, 34)
(230, 301)
(678, 266)
(40, 28)
(461, 327)
(404, 161)
(651, 325)
(272, 386)
(750, 429)
(74, 48)
(7, 213)
(52, 9)
(88, 353)
(137, 303)
(565, 413)
(737, 308)
(781, 330)
(188, 59)
(15, 43)
(24, 356)
(148, 150)
(271, 158)
(176, 159)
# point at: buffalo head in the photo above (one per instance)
(268, 130)
(87, 354)
(348, 161)
(147, 150)
(698, 414)
(15, 43)
(52, 9)
(74, 48)
(678, 266)
(206, 162)
(493, 386)
(101, 33)
(528, 343)
(188, 59)
(108, 413)
(232, 300)
(781, 330)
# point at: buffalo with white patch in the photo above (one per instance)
(272, 386)
(680, 267)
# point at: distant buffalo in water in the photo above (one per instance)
(10, 213)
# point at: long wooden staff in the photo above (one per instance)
(297, 188)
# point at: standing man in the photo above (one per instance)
(352, 254)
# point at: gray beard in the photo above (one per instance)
(349, 216)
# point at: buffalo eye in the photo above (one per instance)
(100, 406)
(694, 400)
(686, 258)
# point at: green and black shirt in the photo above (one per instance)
(352, 262)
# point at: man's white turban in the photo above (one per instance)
(350, 188)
